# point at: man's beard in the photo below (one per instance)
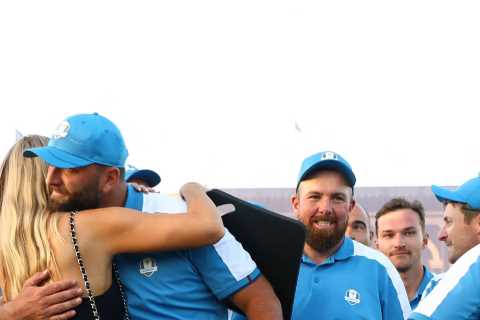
(324, 240)
(404, 267)
(88, 198)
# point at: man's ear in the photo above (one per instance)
(426, 236)
(352, 204)
(110, 177)
(476, 224)
(295, 203)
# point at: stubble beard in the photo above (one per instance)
(404, 267)
(88, 198)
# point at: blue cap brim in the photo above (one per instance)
(149, 176)
(443, 195)
(56, 158)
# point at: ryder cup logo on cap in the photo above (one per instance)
(61, 131)
(326, 160)
(82, 140)
(468, 193)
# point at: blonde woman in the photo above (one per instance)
(81, 245)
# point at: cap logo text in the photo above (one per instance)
(329, 156)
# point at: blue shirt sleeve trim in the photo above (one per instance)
(418, 316)
(239, 285)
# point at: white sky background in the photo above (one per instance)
(211, 90)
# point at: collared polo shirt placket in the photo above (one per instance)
(427, 276)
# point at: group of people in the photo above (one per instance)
(66, 208)
(79, 242)
(401, 236)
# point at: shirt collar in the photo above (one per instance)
(344, 252)
(427, 276)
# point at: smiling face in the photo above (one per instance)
(401, 238)
(322, 203)
(458, 234)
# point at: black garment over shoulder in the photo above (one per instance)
(109, 305)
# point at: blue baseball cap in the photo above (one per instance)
(326, 160)
(150, 177)
(82, 140)
(468, 193)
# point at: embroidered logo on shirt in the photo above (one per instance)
(61, 131)
(352, 297)
(148, 266)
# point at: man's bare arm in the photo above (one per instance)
(258, 301)
(54, 301)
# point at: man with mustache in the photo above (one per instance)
(456, 295)
(146, 178)
(339, 278)
(401, 236)
(180, 285)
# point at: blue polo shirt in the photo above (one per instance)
(432, 284)
(356, 282)
(185, 284)
(427, 276)
(457, 295)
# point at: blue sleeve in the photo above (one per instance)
(225, 267)
(456, 296)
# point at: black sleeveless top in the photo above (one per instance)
(109, 305)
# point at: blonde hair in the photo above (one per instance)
(25, 222)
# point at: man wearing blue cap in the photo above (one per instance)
(143, 177)
(86, 157)
(457, 295)
(339, 278)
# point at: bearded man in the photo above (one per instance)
(339, 278)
